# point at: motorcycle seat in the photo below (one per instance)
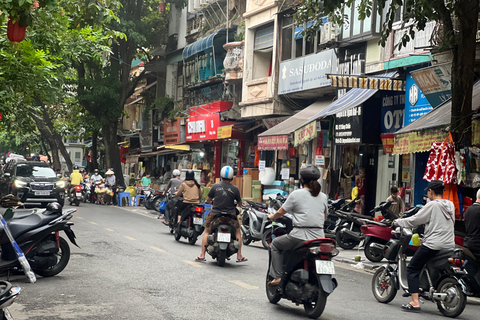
(257, 205)
(361, 216)
(30, 222)
(440, 257)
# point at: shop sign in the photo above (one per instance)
(319, 160)
(273, 143)
(285, 173)
(416, 104)
(202, 127)
(306, 133)
(224, 132)
(261, 165)
(348, 126)
(272, 122)
(406, 168)
(362, 82)
(392, 111)
(171, 132)
(388, 141)
(306, 72)
(412, 142)
(435, 82)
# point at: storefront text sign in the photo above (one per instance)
(416, 104)
(392, 111)
(261, 165)
(341, 81)
(435, 82)
(348, 126)
(406, 168)
(412, 142)
(202, 127)
(319, 160)
(224, 132)
(273, 143)
(388, 141)
(285, 173)
(306, 72)
(171, 132)
(306, 133)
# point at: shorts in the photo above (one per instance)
(211, 217)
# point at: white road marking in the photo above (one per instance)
(244, 285)
(194, 263)
(79, 218)
(157, 249)
(109, 229)
(92, 222)
(130, 238)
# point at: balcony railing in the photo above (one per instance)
(421, 41)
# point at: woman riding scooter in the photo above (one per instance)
(191, 192)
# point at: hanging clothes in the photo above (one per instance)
(441, 164)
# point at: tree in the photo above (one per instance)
(458, 21)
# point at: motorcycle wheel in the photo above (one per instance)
(177, 234)
(456, 301)
(371, 254)
(246, 240)
(315, 309)
(222, 255)
(273, 294)
(84, 198)
(77, 202)
(267, 239)
(193, 238)
(156, 203)
(63, 257)
(345, 242)
(383, 288)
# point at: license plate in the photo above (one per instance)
(197, 220)
(79, 194)
(325, 267)
(223, 237)
(42, 193)
(7, 314)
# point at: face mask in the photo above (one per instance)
(96, 173)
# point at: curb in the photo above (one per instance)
(366, 265)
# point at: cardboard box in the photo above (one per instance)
(238, 182)
(247, 186)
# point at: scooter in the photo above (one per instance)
(192, 226)
(222, 242)
(8, 294)
(333, 220)
(75, 196)
(348, 233)
(438, 282)
(308, 276)
(86, 190)
(37, 233)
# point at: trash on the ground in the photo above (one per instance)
(359, 265)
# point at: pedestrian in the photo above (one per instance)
(146, 181)
(397, 205)
(472, 228)
(110, 182)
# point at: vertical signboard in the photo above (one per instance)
(435, 82)
(348, 126)
(416, 104)
(392, 111)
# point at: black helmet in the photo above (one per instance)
(75, 167)
(54, 207)
(190, 175)
(310, 172)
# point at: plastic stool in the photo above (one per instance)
(138, 197)
(125, 195)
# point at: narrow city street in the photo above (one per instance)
(130, 267)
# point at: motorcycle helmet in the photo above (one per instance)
(190, 175)
(176, 173)
(310, 172)
(226, 173)
(54, 207)
(75, 167)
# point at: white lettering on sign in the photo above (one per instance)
(320, 65)
(196, 126)
(393, 119)
(355, 111)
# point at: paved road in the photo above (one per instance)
(130, 267)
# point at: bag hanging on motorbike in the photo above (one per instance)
(391, 249)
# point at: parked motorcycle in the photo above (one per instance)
(438, 282)
(153, 199)
(467, 270)
(86, 190)
(192, 226)
(75, 196)
(308, 276)
(348, 233)
(333, 220)
(8, 294)
(37, 233)
(222, 242)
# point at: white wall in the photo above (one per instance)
(384, 175)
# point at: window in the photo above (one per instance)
(361, 28)
(28, 170)
(263, 51)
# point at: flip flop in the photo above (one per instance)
(242, 260)
(273, 283)
(198, 259)
(165, 222)
(409, 308)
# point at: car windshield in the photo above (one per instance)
(28, 170)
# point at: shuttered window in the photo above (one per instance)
(264, 37)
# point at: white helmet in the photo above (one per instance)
(176, 172)
(226, 173)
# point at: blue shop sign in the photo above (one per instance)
(393, 104)
(416, 104)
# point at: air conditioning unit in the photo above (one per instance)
(328, 32)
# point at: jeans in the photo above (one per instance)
(419, 259)
(278, 246)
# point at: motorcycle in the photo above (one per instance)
(8, 294)
(348, 233)
(37, 233)
(86, 190)
(333, 220)
(75, 196)
(153, 199)
(308, 276)
(255, 223)
(222, 242)
(192, 226)
(467, 270)
(438, 282)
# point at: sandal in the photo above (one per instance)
(242, 260)
(198, 259)
(409, 308)
(274, 282)
(165, 222)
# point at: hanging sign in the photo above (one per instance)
(261, 165)
(306, 133)
(285, 173)
(416, 104)
(273, 143)
(319, 160)
(224, 132)
(388, 141)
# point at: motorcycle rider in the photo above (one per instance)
(472, 228)
(438, 215)
(110, 183)
(95, 177)
(172, 188)
(223, 195)
(191, 192)
(309, 208)
(75, 179)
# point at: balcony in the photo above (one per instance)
(419, 44)
(233, 62)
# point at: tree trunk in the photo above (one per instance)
(44, 147)
(95, 149)
(50, 140)
(112, 154)
(463, 63)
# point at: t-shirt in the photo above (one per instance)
(472, 228)
(308, 214)
(397, 205)
(173, 185)
(146, 181)
(224, 195)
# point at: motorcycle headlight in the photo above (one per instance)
(20, 184)
(60, 184)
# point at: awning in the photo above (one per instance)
(419, 135)
(206, 43)
(134, 101)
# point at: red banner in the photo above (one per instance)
(388, 141)
(273, 142)
(171, 132)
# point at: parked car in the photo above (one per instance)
(33, 182)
